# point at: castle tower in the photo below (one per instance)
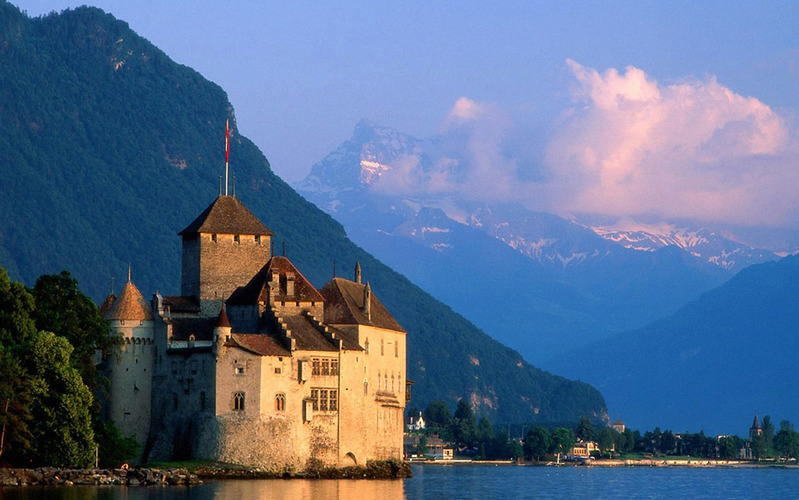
(222, 249)
(131, 318)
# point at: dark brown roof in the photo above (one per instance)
(257, 343)
(309, 338)
(344, 306)
(107, 303)
(201, 328)
(177, 303)
(223, 321)
(226, 215)
(257, 290)
(130, 305)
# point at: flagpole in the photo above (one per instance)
(227, 153)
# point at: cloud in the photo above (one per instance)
(627, 145)
(691, 149)
(469, 156)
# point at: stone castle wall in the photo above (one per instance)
(214, 265)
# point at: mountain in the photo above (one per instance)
(109, 148)
(703, 243)
(537, 282)
(711, 365)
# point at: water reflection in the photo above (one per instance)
(277, 489)
(343, 489)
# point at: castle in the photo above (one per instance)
(253, 365)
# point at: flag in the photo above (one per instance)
(227, 141)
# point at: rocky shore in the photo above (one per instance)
(51, 476)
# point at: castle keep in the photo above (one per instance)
(253, 365)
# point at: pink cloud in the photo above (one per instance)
(689, 149)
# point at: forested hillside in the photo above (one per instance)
(713, 364)
(108, 149)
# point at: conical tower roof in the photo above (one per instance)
(223, 321)
(227, 215)
(130, 305)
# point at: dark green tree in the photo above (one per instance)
(585, 430)
(437, 416)
(61, 426)
(114, 448)
(628, 444)
(606, 439)
(17, 330)
(668, 442)
(464, 425)
(15, 405)
(63, 309)
(562, 440)
(786, 443)
(729, 447)
(768, 436)
(537, 443)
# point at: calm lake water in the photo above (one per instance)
(469, 482)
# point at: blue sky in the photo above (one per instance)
(300, 75)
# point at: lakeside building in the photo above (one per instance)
(251, 364)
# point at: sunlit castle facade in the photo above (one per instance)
(253, 365)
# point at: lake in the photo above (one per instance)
(469, 482)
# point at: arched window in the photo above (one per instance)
(280, 402)
(238, 401)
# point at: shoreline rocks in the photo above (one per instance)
(144, 476)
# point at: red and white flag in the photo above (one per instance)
(227, 141)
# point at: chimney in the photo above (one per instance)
(367, 301)
(358, 272)
(274, 284)
(289, 285)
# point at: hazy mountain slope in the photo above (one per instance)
(711, 365)
(108, 149)
(535, 281)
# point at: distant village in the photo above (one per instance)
(433, 436)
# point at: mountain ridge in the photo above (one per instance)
(712, 364)
(576, 286)
(116, 148)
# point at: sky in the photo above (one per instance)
(677, 109)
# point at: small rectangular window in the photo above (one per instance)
(322, 399)
(333, 400)
(334, 367)
(257, 239)
(316, 366)
(239, 370)
(315, 399)
(237, 238)
(278, 370)
(213, 238)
